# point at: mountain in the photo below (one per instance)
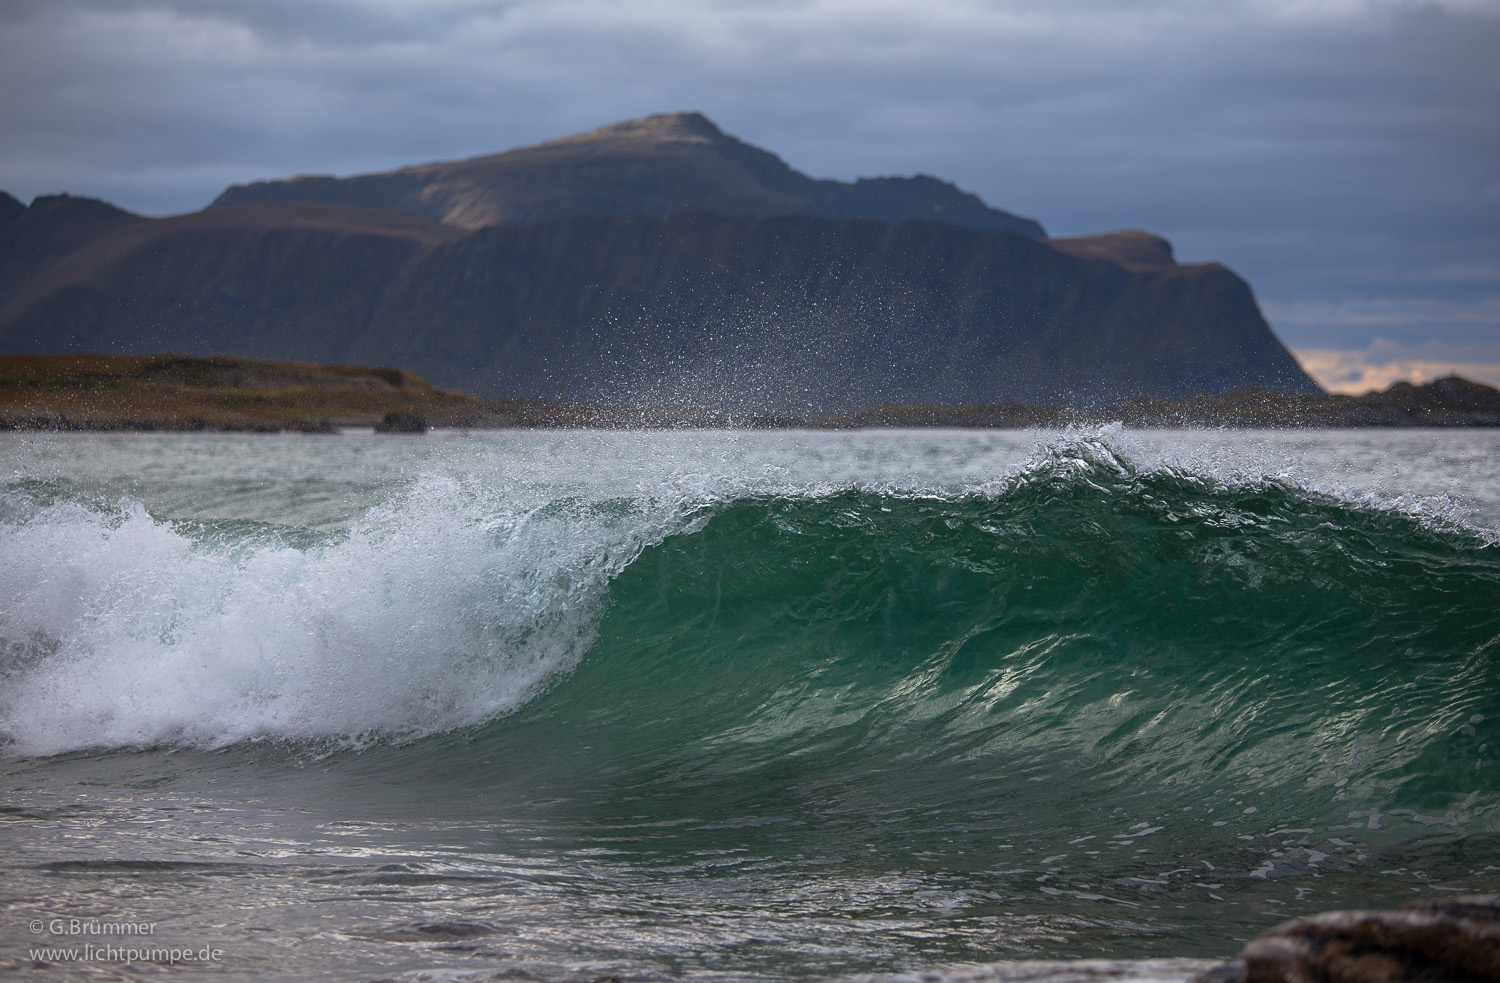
(653, 262)
(652, 166)
(771, 314)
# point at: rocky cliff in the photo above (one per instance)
(768, 314)
(653, 262)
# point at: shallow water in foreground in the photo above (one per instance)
(564, 706)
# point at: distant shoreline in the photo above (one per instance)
(180, 394)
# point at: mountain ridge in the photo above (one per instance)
(655, 165)
(584, 271)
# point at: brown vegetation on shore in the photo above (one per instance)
(170, 392)
(177, 393)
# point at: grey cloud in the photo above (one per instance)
(336, 24)
(1342, 150)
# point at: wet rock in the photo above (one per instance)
(1451, 940)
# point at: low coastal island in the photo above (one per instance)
(177, 393)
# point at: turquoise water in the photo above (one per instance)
(740, 705)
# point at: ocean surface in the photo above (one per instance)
(578, 706)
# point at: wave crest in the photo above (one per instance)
(1138, 627)
(440, 610)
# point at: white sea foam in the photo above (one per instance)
(438, 610)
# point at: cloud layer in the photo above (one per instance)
(1343, 154)
(1358, 371)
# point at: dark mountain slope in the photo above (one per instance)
(772, 314)
(250, 281)
(10, 209)
(651, 166)
(793, 314)
(51, 230)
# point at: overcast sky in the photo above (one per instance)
(1343, 155)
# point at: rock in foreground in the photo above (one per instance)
(1452, 940)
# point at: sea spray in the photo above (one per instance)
(439, 610)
